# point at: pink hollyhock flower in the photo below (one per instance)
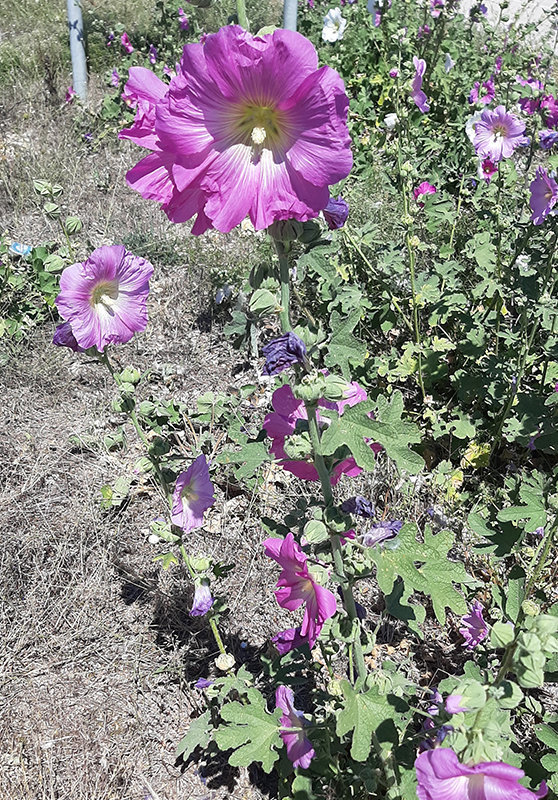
(288, 640)
(474, 628)
(126, 43)
(441, 776)
(192, 496)
(529, 105)
(142, 90)
(104, 298)
(436, 8)
(115, 78)
(498, 133)
(487, 169)
(282, 422)
(453, 704)
(297, 587)
(70, 94)
(202, 600)
(417, 94)
(550, 108)
(544, 194)
(299, 748)
(183, 20)
(249, 126)
(422, 190)
(486, 98)
(533, 83)
(64, 337)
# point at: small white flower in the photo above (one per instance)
(390, 121)
(470, 125)
(449, 63)
(334, 25)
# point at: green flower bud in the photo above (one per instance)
(311, 388)
(530, 609)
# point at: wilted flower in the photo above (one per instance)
(299, 748)
(498, 133)
(358, 505)
(417, 94)
(487, 169)
(183, 20)
(64, 337)
(296, 587)
(441, 775)
(422, 190)
(104, 298)
(474, 94)
(126, 43)
(249, 125)
(381, 532)
(471, 126)
(390, 121)
(334, 25)
(192, 496)
(153, 53)
(70, 94)
(282, 352)
(449, 63)
(202, 600)
(544, 194)
(548, 139)
(474, 628)
(336, 213)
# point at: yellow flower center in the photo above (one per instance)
(259, 125)
(105, 294)
(189, 494)
(499, 130)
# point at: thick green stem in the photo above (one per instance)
(241, 14)
(284, 314)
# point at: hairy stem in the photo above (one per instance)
(241, 14)
(284, 314)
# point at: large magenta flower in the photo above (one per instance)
(192, 496)
(544, 196)
(249, 126)
(498, 133)
(441, 776)
(104, 298)
(298, 746)
(419, 97)
(296, 586)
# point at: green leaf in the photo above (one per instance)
(250, 458)
(198, 735)
(365, 713)
(388, 429)
(547, 736)
(345, 350)
(252, 732)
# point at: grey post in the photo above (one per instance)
(289, 14)
(77, 49)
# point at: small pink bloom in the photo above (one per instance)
(419, 97)
(192, 496)
(487, 169)
(126, 43)
(476, 97)
(422, 190)
(70, 94)
(299, 748)
(453, 704)
(441, 776)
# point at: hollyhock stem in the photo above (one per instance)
(284, 315)
(241, 14)
(348, 599)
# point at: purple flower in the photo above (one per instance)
(497, 133)
(64, 337)
(441, 775)
(192, 496)
(358, 505)
(498, 64)
(423, 31)
(202, 600)
(203, 683)
(183, 20)
(110, 39)
(417, 94)
(544, 194)
(88, 137)
(474, 628)
(486, 98)
(282, 352)
(153, 53)
(548, 139)
(115, 78)
(453, 704)
(550, 107)
(104, 298)
(288, 640)
(529, 105)
(394, 73)
(436, 7)
(296, 587)
(487, 169)
(384, 530)
(70, 94)
(422, 190)
(533, 83)
(483, 9)
(249, 126)
(336, 213)
(126, 43)
(299, 748)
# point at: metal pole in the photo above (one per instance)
(290, 8)
(77, 49)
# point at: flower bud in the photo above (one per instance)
(224, 662)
